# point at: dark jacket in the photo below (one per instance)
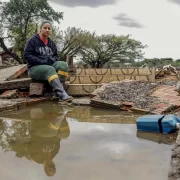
(37, 53)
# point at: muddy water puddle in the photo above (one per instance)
(49, 141)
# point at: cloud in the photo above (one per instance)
(124, 20)
(175, 1)
(89, 3)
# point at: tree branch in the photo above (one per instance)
(12, 54)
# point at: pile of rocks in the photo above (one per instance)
(137, 92)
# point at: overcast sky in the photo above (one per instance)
(154, 22)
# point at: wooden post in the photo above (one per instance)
(69, 60)
(153, 74)
(0, 60)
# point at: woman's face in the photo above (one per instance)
(45, 30)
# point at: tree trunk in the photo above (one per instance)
(12, 54)
(93, 64)
(21, 54)
(98, 65)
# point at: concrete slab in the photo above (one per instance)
(98, 102)
(81, 101)
(15, 84)
(12, 73)
(19, 103)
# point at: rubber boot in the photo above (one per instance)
(60, 92)
(62, 79)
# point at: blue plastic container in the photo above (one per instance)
(149, 123)
(158, 123)
(169, 123)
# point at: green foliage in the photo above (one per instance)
(157, 62)
(98, 50)
(70, 41)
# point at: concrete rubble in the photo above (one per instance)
(15, 84)
(135, 92)
(12, 73)
(14, 89)
(82, 101)
(18, 103)
(137, 96)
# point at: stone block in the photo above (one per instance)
(82, 101)
(36, 89)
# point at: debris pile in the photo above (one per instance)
(137, 92)
(167, 73)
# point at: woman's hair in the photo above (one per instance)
(44, 22)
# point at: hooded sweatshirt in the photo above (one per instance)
(36, 52)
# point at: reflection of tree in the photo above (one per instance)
(38, 139)
(13, 132)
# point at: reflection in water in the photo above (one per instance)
(103, 144)
(38, 139)
(93, 115)
(157, 137)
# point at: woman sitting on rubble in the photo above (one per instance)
(43, 64)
